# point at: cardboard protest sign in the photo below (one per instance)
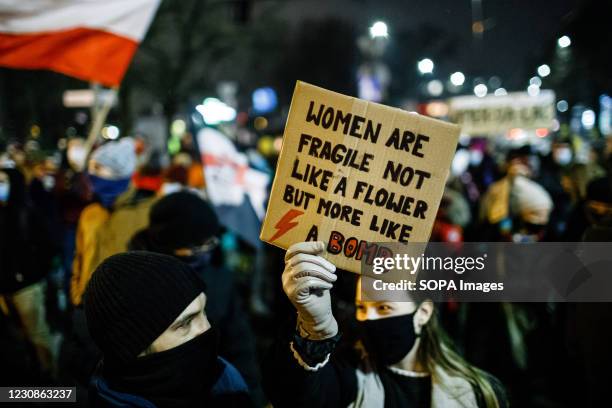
(492, 115)
(356, 174)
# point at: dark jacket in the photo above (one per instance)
(229, 391)
(346, 381)
(26, 248)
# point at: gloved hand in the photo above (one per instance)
(307, 279)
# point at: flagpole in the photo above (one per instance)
(99, 117)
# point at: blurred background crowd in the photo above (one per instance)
(201, 112)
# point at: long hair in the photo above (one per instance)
(436, 350)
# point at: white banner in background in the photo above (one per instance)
(228, 175)
(493, 115)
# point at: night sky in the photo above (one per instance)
(516, 32)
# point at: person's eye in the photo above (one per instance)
(185, 324)
(360, 307)
(384, 308)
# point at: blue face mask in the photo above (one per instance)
(108, 190)
(199, 260)
(5, 190)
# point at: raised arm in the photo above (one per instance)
(301, 370)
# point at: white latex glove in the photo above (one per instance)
(307, 280)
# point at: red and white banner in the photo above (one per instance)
(229, 177)
(93, 40)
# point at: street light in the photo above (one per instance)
(435, 87)
(110, 132)
(564, 42)
(480, 90)
(214, 111)
(500, 92)
(588, 119)
(543, 70)
(378, 30)
(562, 106)
(457, 78)
(425, 66)
(533, 90)
(537, 81)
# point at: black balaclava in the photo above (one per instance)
(180, 377)
(131, 299)
(390, 339)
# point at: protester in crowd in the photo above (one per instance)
(74, 194)
(185, 226)
(42, 193)
(16, 155)
(518, 207)
(588, 332)
(148, 179)
(175, 179)
(106, 225)
(592, 213)
(574, 180)
(146, 312)
(482, 167)
(188, 158)
(452, 217)
(515, 208)
(26, 250)
(552, 169)
(405, 359)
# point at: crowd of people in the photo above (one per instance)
(115, 278)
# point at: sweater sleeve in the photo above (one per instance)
(289, 384)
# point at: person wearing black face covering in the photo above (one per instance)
(145, 311)
(26, 252)
(403, 358)
(185, 226)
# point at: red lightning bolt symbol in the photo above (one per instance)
(285, 223)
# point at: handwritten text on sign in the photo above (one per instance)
(353, 173)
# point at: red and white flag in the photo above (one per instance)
(93, 40)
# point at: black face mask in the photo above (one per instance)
(388, 340)
(179, 377)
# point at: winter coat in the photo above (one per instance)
(230, 391)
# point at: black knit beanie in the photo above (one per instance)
(181, 220)
(133, 297)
